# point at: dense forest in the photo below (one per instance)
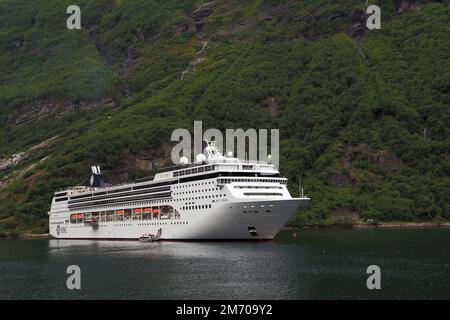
(363, 114)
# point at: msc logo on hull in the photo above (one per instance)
(60, 230)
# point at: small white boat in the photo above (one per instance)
(147, 238)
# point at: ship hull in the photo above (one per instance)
(254, 220)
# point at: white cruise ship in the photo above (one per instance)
(215, 198)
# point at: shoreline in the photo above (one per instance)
(384, 225)
(28, 236)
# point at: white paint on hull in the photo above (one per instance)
(227, 221)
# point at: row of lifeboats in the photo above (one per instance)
(77, 216)
(121, 211)
(139, 210)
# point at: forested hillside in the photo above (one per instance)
(363, 114)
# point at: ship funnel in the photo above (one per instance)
(97, 178)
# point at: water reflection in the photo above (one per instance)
(316, 264)
(138, 249)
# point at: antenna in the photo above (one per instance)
(300, 189)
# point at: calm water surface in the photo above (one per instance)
(317, 264)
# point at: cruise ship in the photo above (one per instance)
(216, 197)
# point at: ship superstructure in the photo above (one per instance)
(214, 198)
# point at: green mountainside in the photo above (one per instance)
(363, 114)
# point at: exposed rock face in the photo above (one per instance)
(192, 65)
(12, 161)
(35, 111)
(6, 180)
(312, 18)
(133, 53)
(272, 10)
(402, 6)
(182, 28)
(346, 162)
(131, 58)
(274, 107)
(386, 160)
(337, 15)
(201, 14)
(153, 159)
(196, 61)
(151, 164)
(145, 160)
(358, 20)
(199, 17)
(18, 157)
(98, 10)
(236, 27)
(347, 175)
(339, 179)
(304, 19)
(345, 212)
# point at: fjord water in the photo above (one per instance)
(316, 264)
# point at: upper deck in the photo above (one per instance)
(214, 165)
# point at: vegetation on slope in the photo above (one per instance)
(363, 118)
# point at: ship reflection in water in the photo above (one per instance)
(327, 264)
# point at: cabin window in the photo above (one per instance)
(60, 194)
